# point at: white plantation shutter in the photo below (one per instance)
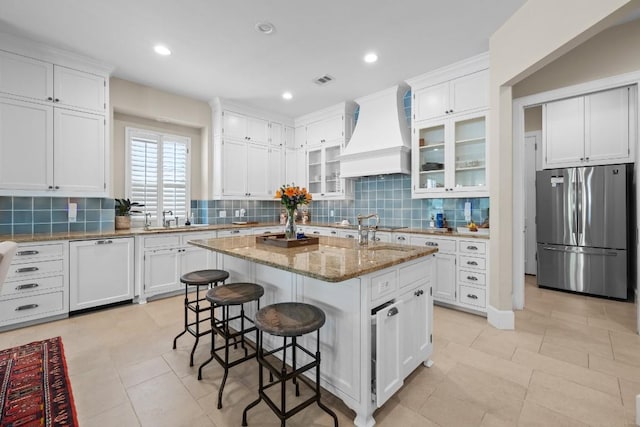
(158, 173)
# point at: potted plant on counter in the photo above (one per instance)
(124, 209)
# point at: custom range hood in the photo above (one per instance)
(381, 142)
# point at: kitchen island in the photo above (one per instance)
(377, 300)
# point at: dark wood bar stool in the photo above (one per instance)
(224, 297)
(198, 279)
(288, 320)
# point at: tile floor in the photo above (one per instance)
(571, 361)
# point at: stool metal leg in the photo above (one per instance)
(195, 344)
(225, 317)
(213, 343)
(186, 318)
(295, 379)
(260, 357)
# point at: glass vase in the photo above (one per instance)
(290, 225)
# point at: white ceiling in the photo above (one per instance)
(217, 52)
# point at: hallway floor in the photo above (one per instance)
(571, 361)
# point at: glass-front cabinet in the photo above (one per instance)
(449, 157)
(324, 172)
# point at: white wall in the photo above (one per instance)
(537, 34)
(138, 105)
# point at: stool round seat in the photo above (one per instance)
(204, 277)
(289, 319)
(235, 293)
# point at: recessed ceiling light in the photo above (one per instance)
(265, 27)
(370, 58)
(287, 95)
(162, 50)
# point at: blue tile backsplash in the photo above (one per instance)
(389, 196)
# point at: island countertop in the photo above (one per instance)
(334, 259)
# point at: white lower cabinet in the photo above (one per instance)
(37, 285)
(101, 272)
(387, 354)
(416, 336)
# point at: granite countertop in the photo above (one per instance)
(27, 238)
(334, 259)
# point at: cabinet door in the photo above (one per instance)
(333, 184)
(258, 171)
(276, 134)
(79, 152)
(275, 170)
(315, 133)
(563, 132)
(234, 168)
(469, 92)
(257, 130)
(26, 145)
(607, 126)
(26, 77)
(77, 89)
(295, 167)
(234, 125)
(314, 171)
(333, 128)
(467, 160)
(300, 136)
(194, 259)
(161, 271)
(101, 272)
(431, 102)
(430, 157)
(387, 353)
(289, 137)
(444, 288)
(415, 338)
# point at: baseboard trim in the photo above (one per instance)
(501, 319)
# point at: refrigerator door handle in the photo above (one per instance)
(579, 250)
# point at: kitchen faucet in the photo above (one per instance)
(166, 222)
(363, 233)
(147, 220)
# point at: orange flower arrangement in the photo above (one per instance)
(291, 196)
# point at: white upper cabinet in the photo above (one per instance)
(234, 168)
(589, 130)
(459, 95)
(77, 89)
(300, 136)
(26, 77)
(244, 127)
(326, 130)
(258, 167)
(276, 134)
(289, 137)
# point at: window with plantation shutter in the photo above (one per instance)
(158, 173)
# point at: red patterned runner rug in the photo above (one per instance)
(34, 386)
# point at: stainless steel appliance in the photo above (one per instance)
(584, 227)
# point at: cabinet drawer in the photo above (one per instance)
(156, 242)
(472, 277)
(472, 262)
(34, 269)
(411, 274)
(443, 245)
(472, 296)
(27, 286)
(196, 236)
(383, 284)
(31, 307)
(471, 247)
(35, 252)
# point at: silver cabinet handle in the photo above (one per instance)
(104, 242)
(472, 296)
(235, 231)
(27, 286)
(392, 312)
(472, 248)
(431, 244)
(26, 307)
(474, 278)
(316, 232)
(334, 232)
(24, 253)
(418, 293)
(472, 263)
(27, 269)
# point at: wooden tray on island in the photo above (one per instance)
(280, 241)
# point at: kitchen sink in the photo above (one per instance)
(181, 227)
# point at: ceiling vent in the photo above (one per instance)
(323, 80)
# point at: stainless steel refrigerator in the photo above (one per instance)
(584, 227)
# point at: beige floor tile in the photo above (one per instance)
(419, 386)
(534, 415)
(629, 390)
(569, 317)
(163, 401)
(626, 347)
(580, 337)
(97, 391)
(577, 374)
(576, 357)
(575, 401)
(395, 413)
(120, 416)
(620, 324)
(614, 368)
(451, 411)
(504, 343)
(457, 333)
(141, 372)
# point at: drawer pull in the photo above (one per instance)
(316, 232)
(418, 293)
(27, 269)
(27, 286)
(350, 236)
(472, 263)
(392, 312)
(472, 248)
(334, 232)
(23, 253)
(27, 307)
(431, 244)
(104, 242)
(235, 231)
(401, 238)
(474, 278)
(472, 296)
